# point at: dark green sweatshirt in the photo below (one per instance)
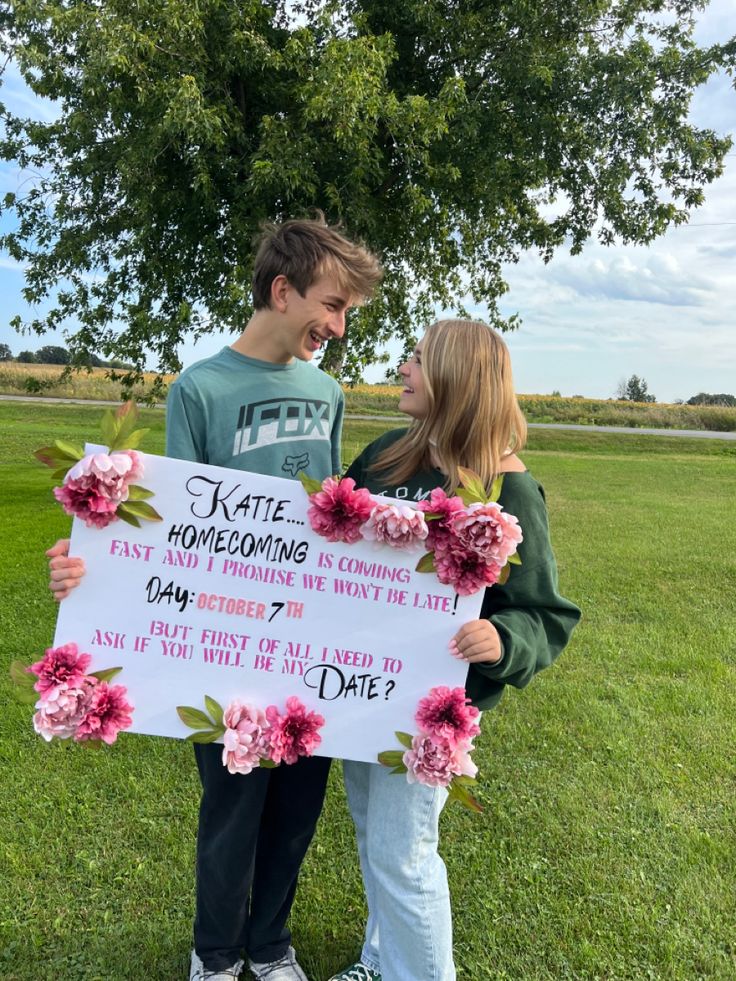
(534, 621)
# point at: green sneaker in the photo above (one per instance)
(356, 972)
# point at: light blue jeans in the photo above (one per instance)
(409, 931)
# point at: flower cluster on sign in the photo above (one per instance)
(73, 703)
(100, 488)
(471, 539)
(438, 755)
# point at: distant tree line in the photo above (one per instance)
(55, 354)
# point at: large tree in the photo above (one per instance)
(448, 135)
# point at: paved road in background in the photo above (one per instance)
(696, 433)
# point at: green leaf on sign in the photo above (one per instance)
(193, 717)
(106, 674)
(27, 696)
(60, 473)
(404, 738)
(391, 757)
(210, 736)
(496, 487)
(426, 563)
(69, 450)
(473, 486)
(505, 572)
(459, 793)
(310, 485)
(398, 769)
(141, 510)
(131, 441)
(122, 512)
(215, 709)
(109, 428)
(514, 559)
(137, 493)
(268, 764)
(21, 676)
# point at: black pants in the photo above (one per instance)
(254, 832)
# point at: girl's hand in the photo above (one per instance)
(66, 572)
(477, 641)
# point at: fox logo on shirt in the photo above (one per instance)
(281, 421)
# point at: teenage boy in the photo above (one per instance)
(258, 406)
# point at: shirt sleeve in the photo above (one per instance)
(533, 620)
(185, 427)
(336, 434)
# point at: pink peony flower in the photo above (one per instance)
(439, 503)
(60, 715)
(338, 510)
(397, 525)
(59, 669)
(294, 733)
(245, 740)
(466, 572)
(435, 762)
(94, 486)
(106, 714)
(446, 714)
(488, 530)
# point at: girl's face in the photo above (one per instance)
(413, 399)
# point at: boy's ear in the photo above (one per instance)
(280, 287)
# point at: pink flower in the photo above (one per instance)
(397, 525)
(446, 714)
(439, 503)
(338, 510)
(60, 668)
(294, 733)
(466, 572)
(60, 715)
(488, 530)
(94, 486)
(435, 762)
(106, 714)
(245, 740)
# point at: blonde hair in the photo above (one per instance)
(305, 249)
(473, 419)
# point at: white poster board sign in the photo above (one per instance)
(234, 596)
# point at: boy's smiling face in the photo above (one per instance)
(306, 323)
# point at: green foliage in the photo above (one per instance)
(702, 398)
(26, 357)
(634, 389)
(5, 353)
(449, 136)
(52, 354)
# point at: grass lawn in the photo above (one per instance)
(606, 849)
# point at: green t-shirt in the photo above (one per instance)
(534, 621)
(276, 419)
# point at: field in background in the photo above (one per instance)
(22, 379)
(606, 847)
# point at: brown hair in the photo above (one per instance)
(473, 418)
(305, 249)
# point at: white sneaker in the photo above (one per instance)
(284, 969)
(198, 972)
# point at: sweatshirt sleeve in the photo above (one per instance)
(336, 434)
(534, 621)
(185, 426)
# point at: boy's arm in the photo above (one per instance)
(185, 427)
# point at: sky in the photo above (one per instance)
(664, 312)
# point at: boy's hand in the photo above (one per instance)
(66, 572)
(477, 641)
